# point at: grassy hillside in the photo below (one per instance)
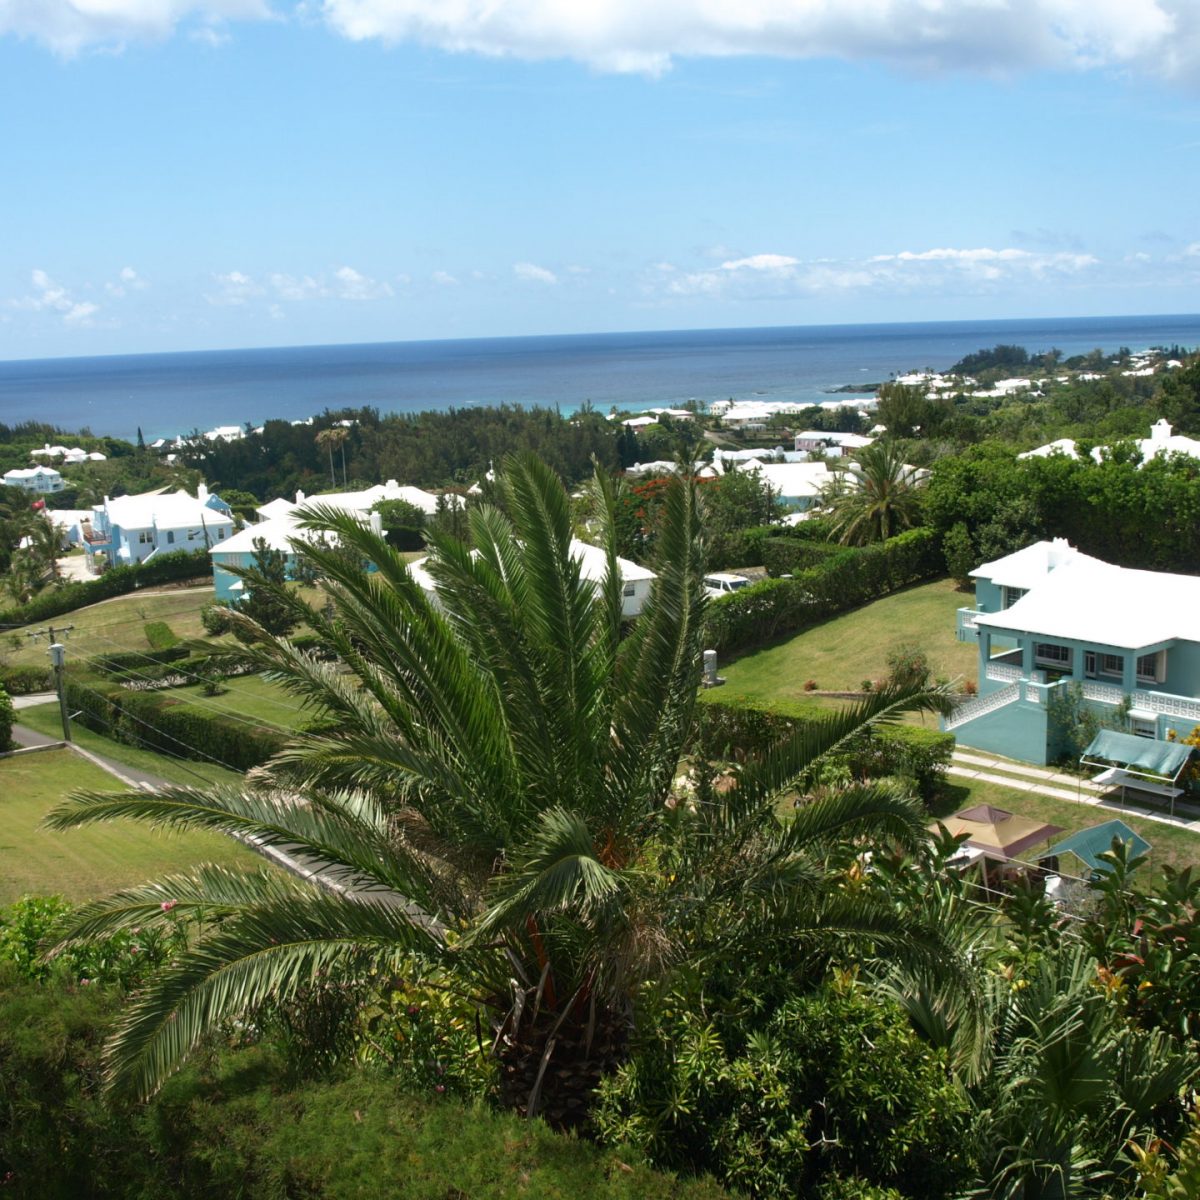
(84, 863)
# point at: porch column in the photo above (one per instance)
(1027, 659)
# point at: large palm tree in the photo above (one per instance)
(875, 498)
(497, 796)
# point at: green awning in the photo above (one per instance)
(1089, 844)
(1147, 756)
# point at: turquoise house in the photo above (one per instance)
(1049, 617)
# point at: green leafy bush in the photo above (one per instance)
(830, 1084)
(136, 660)
(6, 720)
(22, 681)
(908, 751)
(724, 731)
(786, 555)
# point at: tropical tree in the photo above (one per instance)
(494, 799)
(336, 435)
(875, 498)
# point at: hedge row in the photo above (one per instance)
(776, 607)
(744, 547)
(787, 555)
(133, 660)
(236, 1123)
(175, 567)
(6, 720)
(22, 681)
(156, 721)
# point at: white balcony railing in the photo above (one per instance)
(1157, 702)
(980, 706)
(1003, 672)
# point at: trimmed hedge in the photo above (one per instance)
(744, 547)
(776, 607)
(722, 731)
(6, 721)
(22, 681)
(910, 751)
(156, 721)
(175, 567)
(134, 660)
(787, 556)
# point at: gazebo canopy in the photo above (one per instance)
(997, 832)
(1138, 755)
(1088, 844)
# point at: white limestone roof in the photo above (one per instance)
(277, 534)
(1060, 446)
(1092, 601)
(835, 439)
(32, 473)
(1028, 567)
(794, 479)
(639, 422)
(362, 501)
(279, 507)
(166, 510)
(593, 563)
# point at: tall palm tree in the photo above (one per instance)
(497, 793)
(336, 435)
(876, 498)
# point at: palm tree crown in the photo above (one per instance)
(494, 786)
(876, 498)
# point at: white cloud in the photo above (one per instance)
(532, 273)
(350, 284)
(69, 26)
(127, 281)
(1192, 250)
(444, 278)
(233, 288)
(53, 297)
(947, 268)
(1158, 37)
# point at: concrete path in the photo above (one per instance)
(34, 699)
(1044, 782)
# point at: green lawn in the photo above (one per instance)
(44, 718)
(250, 697)
(844, 651)
(1170, 843)
(84, 863)
(111, 625)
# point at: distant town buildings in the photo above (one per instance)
(42, 480)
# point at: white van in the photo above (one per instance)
(724, 584)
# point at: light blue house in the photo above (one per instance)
(132, 529)
(1048, 617)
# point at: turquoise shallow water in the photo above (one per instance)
(166, 394)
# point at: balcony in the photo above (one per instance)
(965, 629)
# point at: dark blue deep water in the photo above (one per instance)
(167, 394)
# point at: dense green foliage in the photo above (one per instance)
(755, 615)
(21, 681)
(1136, 514)
(776, 1102)
(241, 1123)
(6, 720)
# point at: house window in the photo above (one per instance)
(170, 537)
(629, 589)
(193, 534)
(1143, 727)
(1089, 662)
(1147, 668)
(220, 535)
(146, 537)
(1050, 655)
(1011, 595)
(1112, 664)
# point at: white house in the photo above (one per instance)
(1162, 441)
(831, 444)
(42, 480)
(798, 484)
(636, 580)
(130, 529)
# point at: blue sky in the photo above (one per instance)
(185, 174)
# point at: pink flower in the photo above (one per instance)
(413, 1010)
(84, 982)
(441, 1087)
(167, 905)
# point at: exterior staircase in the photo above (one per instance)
(979, 706)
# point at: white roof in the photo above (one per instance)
(1161, 442)
(1060, 446)
(854, 440)
(276, 533)
(640, 422)
(1087, 600)
(279, 507)
(166, 510)
(1027, 568)
(32, 473)
(363, 501)
(592, 564)
(793, 480)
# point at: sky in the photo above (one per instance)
(203, 174)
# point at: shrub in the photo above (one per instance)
(6, 720)
(908, 751)
(215, 618)
(786, 555)
(826, 1085)
(160, 635)
(908, 665)
(22, 681)
(810, 685)
(136, 660)
(723, 731)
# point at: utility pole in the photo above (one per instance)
(58, 660)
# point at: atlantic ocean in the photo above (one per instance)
(168, 394)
